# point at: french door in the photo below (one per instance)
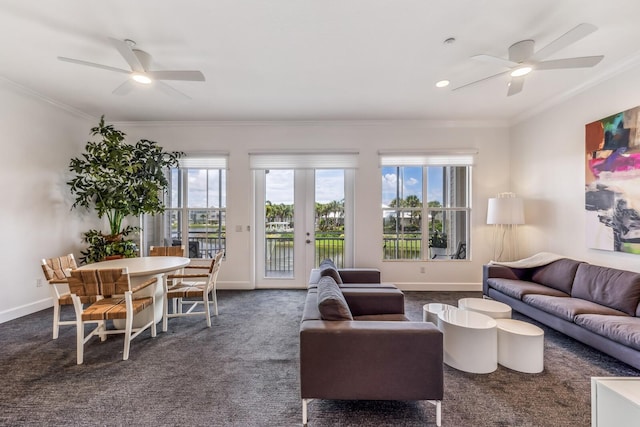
(302, 216)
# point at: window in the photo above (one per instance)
(425, 208)
(195, 214)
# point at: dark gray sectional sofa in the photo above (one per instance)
(357, 344)
(596, 305)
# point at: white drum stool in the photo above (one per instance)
(430, 311)
(520, 346)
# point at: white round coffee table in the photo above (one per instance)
(520, 346)
(430, 311)
(491, 308)
(470, 340)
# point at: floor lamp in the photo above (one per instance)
(505, 213)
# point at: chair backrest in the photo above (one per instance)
(56, 268)
(106, 282)
(166, 251)
(215, 268)
(461, 251)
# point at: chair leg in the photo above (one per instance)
(215, 301)
(79, 342)
(304, 411)
(165, 313)
(438, 404)
(128, 324)
(56, 318)
(205, 297)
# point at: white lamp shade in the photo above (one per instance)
(505, 210)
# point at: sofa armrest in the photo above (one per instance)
(371, 360)
(366, 301)
(490, 271)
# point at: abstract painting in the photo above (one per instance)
(612, 182)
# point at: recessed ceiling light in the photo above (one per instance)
(443, 83)
(521, 71)
(141, 78)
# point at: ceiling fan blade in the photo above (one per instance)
(515, 85)
(92, 64)
(581, 62)
(564, 40)
(482, 80)
(128, 54)
(521, 51)
(194, 76)
(495, 60)
(124, 88)
(171, 91)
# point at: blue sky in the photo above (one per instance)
(411, 183)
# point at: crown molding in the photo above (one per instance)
(618, 68)
(45, 99)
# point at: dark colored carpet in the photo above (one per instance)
(244, 372)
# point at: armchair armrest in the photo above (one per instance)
(143, 285)
(371, 360)
(359, 275)
(365, 301)
(490, 271)
(187, 276)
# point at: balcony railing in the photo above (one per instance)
(279, 253)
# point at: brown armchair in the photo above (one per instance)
(369, 350)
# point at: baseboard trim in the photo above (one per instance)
(24, 310)
(453, 287)
(235, 286)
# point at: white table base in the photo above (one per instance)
(520, 346)
(470, 341)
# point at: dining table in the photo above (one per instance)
(140, 270)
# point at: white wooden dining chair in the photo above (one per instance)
(116, 300)
(196, 286)
(56, 271)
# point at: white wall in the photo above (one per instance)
(548, 171)
(490, 176)
(38, 139)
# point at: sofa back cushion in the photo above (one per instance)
(331, 302)
(557, 275)
(328, 268)
(610, 287)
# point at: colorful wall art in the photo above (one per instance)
(612, 182)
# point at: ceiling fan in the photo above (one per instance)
(522, 58)
(140, 73)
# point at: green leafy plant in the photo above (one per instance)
(118, 179)
(438, 240)
(103, 247)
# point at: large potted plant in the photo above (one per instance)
(118, 180)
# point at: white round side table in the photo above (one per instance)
(520, 346)
(491, 308)
(470, 341)
(430, 311)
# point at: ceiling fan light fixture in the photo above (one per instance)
(521, 71)
(141, 78)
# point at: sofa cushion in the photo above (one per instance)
(613, 288)
(558, 274)
(519, 288)
(568, 308)
(328, 268)
(331, 302)
(622, 329)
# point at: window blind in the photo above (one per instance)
(303, 160)
(428, 158)
(215, 161)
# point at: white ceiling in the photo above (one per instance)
(309, 60)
